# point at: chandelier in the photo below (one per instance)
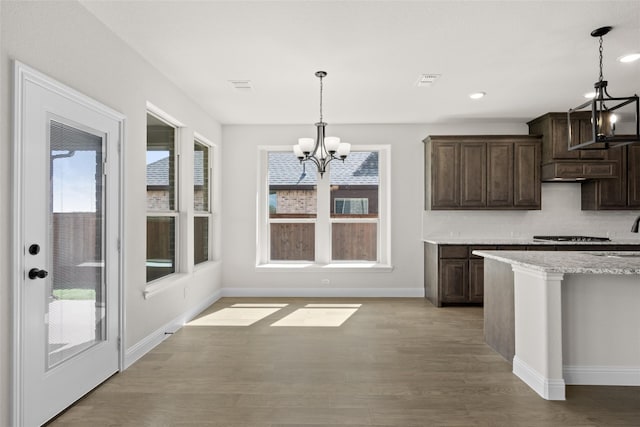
(603, 118)
(325, 148)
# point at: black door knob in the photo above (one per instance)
(36, 273)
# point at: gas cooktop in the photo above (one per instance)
(572, 238)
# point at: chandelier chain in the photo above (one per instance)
(600, 50)
(320, 98)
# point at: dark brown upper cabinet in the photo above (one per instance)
(561, 164)
(482, 172)
(621, 192)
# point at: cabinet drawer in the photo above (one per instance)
(599, 170)
(451, 251)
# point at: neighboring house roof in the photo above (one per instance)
(359, 168)
(158, 171)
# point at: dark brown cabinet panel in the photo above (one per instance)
(526, 180)
(473, 174)
(454, 280)
(621, 192)
(633, 176)
(500, 179)
(445, 178)
(483, 172)
(558, 162)
(476, 280)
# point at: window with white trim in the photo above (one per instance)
(341, 218)
(162, 198)
(202, 201)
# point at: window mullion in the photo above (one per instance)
(323, 224)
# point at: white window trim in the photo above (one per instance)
(211, 212)
(323, 222)
(181, 248)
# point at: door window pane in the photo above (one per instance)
(76, 309)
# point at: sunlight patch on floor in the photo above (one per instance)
(258, 305)
(236, 316)
(333, 305)
(315, 317)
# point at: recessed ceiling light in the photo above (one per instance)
(477, 95)
(590, 95)
(630, 57)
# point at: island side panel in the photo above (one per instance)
(431, 290)
(601, 329)
(499, 320)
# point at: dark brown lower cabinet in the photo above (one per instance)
(454, 276)
(454, 280)
(476, 280)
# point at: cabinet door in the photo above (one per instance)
(560, 139)
(445, 179)
(454, 282)
(473, 174)
(500, 174)
(612, 193)
(633, 175)
(476, 280)
(526, 185)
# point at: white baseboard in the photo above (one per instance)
(602, 375)
(550, 389)
(145, 345)
(325, 292)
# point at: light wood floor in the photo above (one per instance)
(395, 362)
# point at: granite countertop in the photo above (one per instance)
(581, 262)
(460, 240)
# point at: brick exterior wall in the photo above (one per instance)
(296, 201)
(158, 200)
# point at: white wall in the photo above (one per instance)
(63, 40)
(239, 273)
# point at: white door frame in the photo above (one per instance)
(23, 74)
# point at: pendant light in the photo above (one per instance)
(325, 148)
(603, 113)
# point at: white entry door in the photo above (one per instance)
(67, 228)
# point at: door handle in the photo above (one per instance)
(36, 273)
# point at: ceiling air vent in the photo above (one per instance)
(426, 80)
(241, 84)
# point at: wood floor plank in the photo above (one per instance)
(394, 362)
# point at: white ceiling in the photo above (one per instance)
(530, 57)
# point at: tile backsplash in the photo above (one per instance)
(560, 214)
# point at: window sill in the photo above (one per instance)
(353, 267)
(162, 284)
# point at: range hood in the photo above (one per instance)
(571, 171)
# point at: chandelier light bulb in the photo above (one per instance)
(298, 151)
(344, 149)
(331, 143)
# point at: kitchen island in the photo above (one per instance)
(573, 317)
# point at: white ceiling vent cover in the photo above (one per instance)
(426, 80)
(241, 84)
